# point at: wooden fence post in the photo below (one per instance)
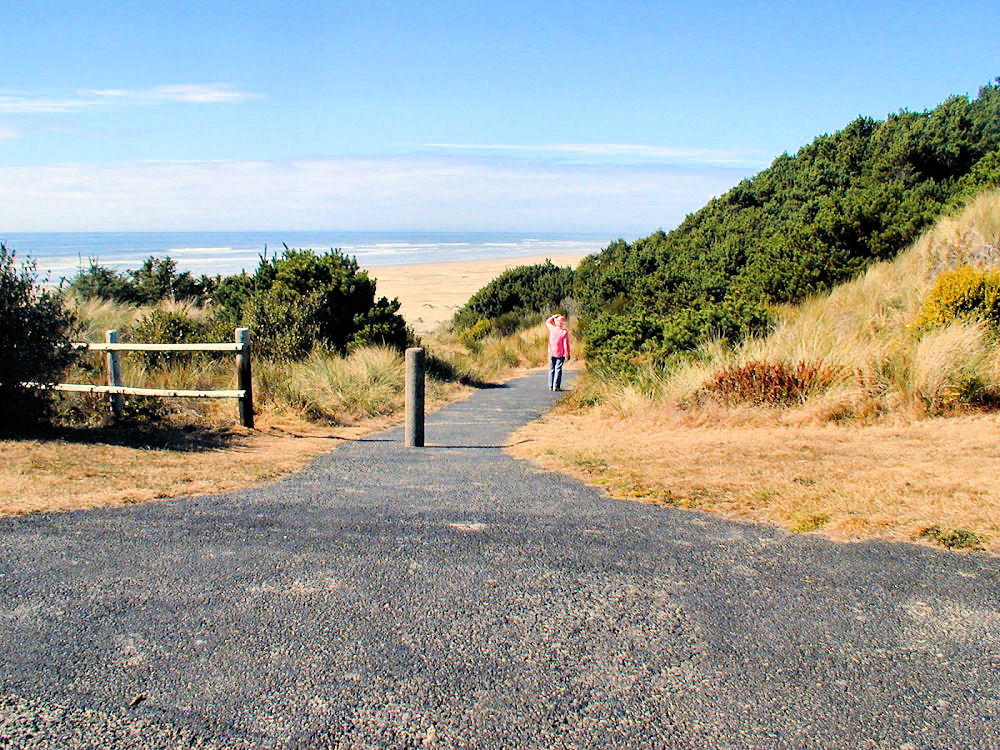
(114, 374)
(244, 381)
(413, 431)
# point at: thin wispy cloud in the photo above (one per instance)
(216, 93)
(721, 157)
(8, 133)
(401, 193)
(17, 102)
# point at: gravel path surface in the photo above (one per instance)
(454, 597)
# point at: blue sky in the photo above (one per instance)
(616, 117)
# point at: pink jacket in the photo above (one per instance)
(558, 338)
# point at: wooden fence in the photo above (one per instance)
(115, 389)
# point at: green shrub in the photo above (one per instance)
(155, 280)
(34, 343)
(476, 332)
(984, 175)
(98, 282)
(964, 293)
(281, 325)
(516, 298)
(381, 325)
(160, 326)
(301, 300)
(620, 342)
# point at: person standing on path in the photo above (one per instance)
(558, 348)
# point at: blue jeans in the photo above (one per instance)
(555, 372)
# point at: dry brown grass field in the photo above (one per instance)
(88, 469)
(891, 480)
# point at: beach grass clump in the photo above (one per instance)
(950, 366)
(96, 316)
(335, 388)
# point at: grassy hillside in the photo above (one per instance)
(810, 221)
(820, 425)
(861, 342)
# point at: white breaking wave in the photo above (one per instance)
(64, 254)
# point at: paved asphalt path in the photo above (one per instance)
(454, 597)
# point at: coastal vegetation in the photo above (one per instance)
(315, 385)
(811, 220)
(867, 410)
(519, 297)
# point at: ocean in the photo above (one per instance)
(61, 254)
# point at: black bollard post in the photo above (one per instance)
(244, 381)
(413, 432)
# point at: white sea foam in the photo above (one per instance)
(64, 254)
(190, 250)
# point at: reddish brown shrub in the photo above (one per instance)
(770, 383)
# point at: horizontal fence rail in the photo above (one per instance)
(115, 390)
(222, 347)
(127, 390)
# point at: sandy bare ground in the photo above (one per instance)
(430, 293)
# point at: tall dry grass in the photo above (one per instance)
(493, 358)
(329, 387)
(865, 330)
(97, 316)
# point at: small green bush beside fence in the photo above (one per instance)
(34, 342)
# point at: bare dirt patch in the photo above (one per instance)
(884, 480)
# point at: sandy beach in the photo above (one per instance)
(430, 293)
